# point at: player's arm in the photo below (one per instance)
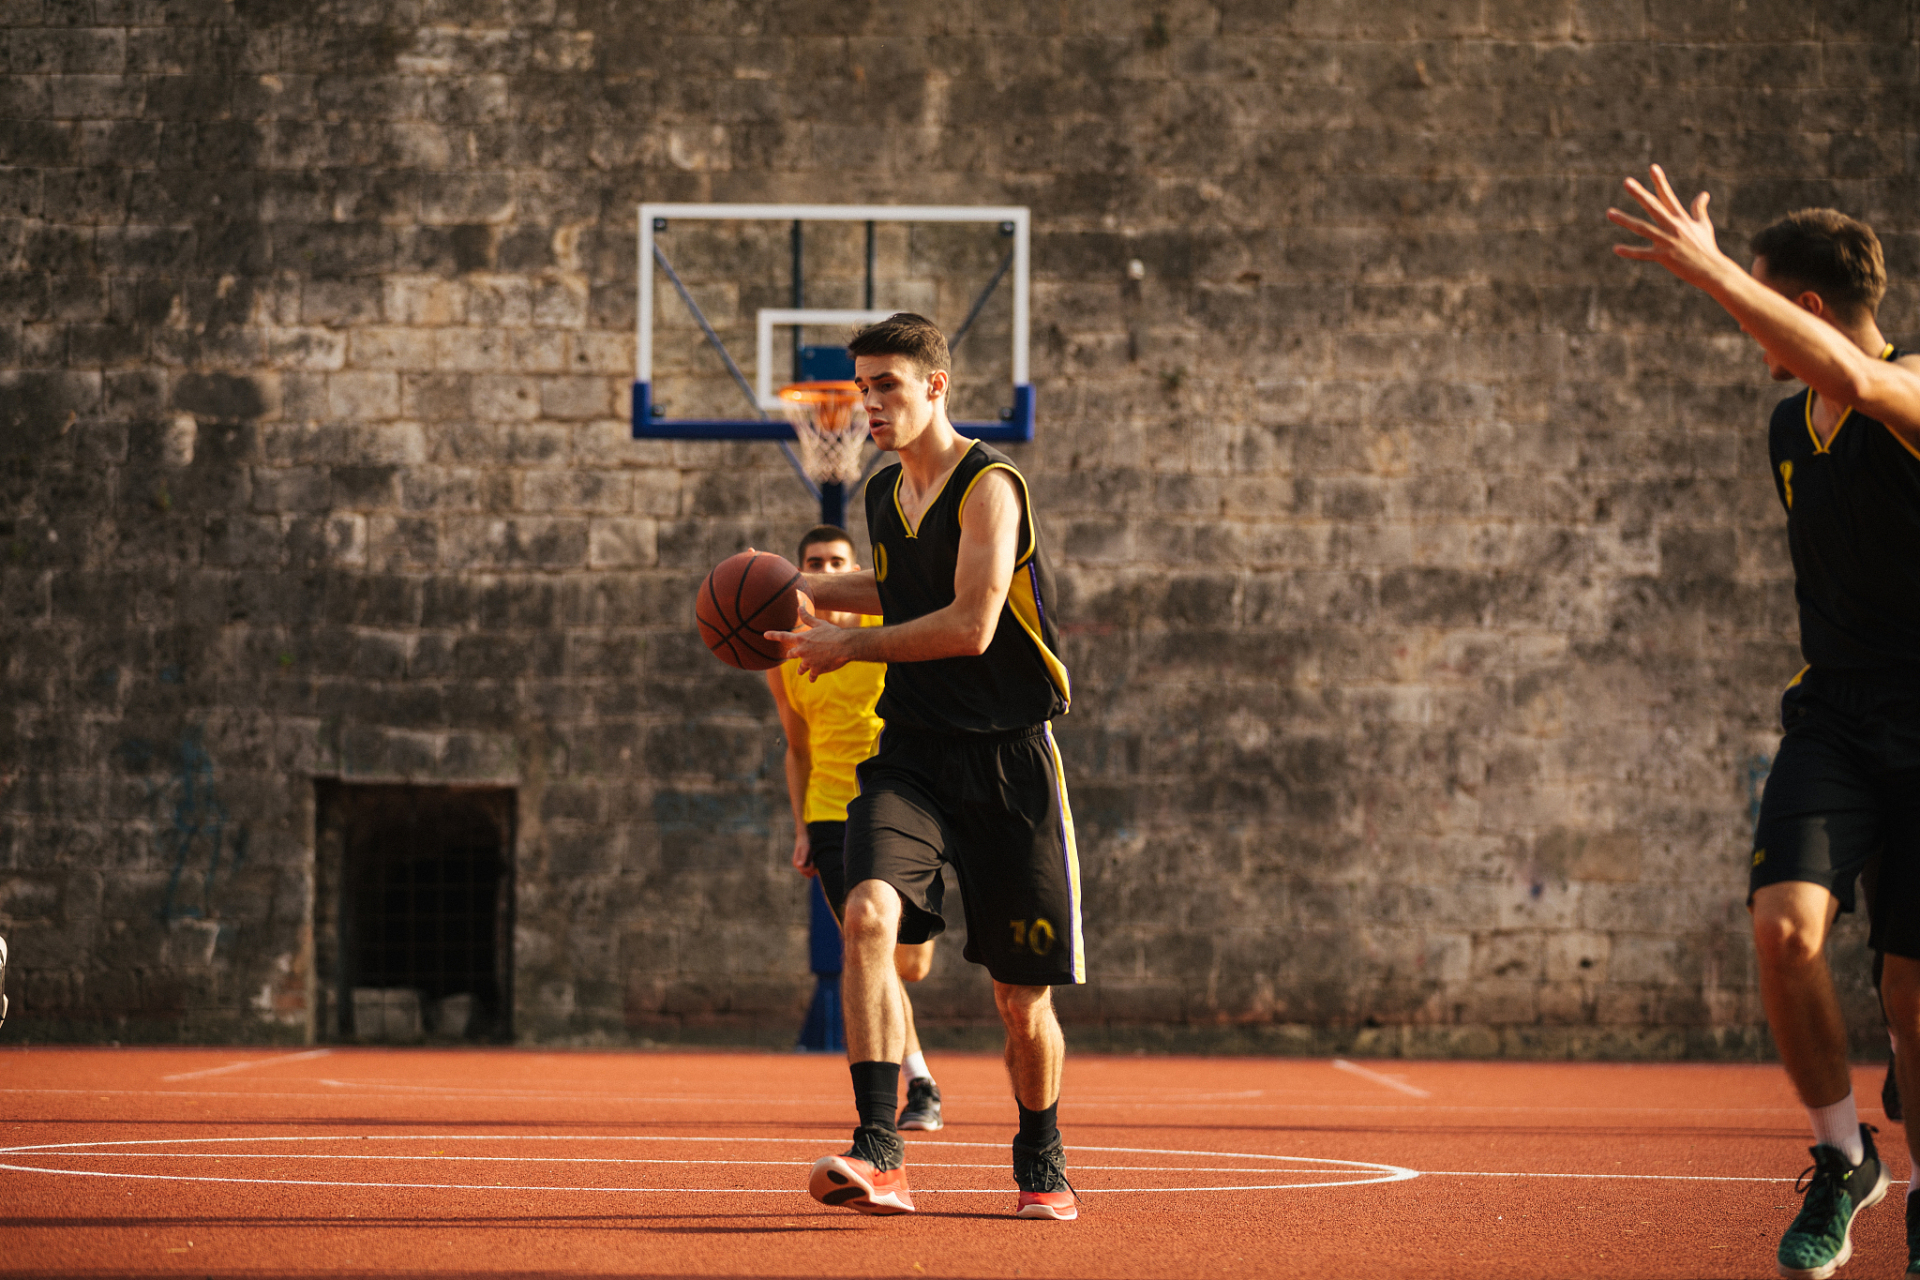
(982, 575)
(844, 592)
(799, 765)
(1681, 239)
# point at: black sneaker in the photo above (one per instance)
(1821, 1238)
(922, 1112)
(1890, 1094)
(880, 1148)
(1044, 1189)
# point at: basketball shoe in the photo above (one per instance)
(1821, 1238)
(922, 1112)
(1044, 1189)
(871, 1177)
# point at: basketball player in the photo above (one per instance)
(830, 727)
(966, 771)
(1846, 781)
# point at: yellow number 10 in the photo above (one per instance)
(1036, 937)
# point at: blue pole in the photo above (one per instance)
(822, 1031)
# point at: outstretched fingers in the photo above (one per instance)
(1677, 236)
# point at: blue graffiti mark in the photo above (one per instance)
(198, 822)
(1758, 768)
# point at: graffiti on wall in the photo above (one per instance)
(193, 835)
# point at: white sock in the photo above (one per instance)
(1913, 1183)
(1839, 1126)
(915, 1067)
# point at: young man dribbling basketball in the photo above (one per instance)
(1846, 781)
(966, 772)
(831, 726)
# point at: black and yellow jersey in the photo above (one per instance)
(1853, 526)
(1019, 681)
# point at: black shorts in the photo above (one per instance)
(1845, 788)
(827, 844)
(994, 807)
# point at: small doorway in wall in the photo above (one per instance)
(413, 913)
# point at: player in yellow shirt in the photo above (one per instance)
(831, 727)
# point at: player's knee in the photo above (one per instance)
(1022, 1008)
(913, 963)
(1785, 931)
(1786, 942)
(871, 914)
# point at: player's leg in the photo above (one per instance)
(869, 988)
(1896, 939)
(892, 862)
(1019, 876)
(1820, 821)
(1035, 1054)
(1901, 999)
(921, 1114)
(1790, 924)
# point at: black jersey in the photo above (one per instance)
(1019, 681)
(1853, 526)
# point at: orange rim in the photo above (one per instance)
(821, 393)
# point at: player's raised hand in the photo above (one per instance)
(1678, 238)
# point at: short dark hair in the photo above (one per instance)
(1825, 251)
(905, 334)
(823, 533)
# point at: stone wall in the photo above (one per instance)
(1426, 593)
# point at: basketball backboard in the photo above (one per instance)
(720, 283)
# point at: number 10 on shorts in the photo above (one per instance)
(1035, 935)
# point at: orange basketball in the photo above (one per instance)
(745, 595)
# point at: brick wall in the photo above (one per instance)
(1426, 592)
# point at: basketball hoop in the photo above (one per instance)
(830, 421)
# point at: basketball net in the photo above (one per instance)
(830, 422)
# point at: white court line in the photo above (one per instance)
(1392, 1082)
(782, 1164)
(1275, 1164)
(250, 1062)
(711, 1191)
(1642, 1177)
(605, 1098)
(1271, 1164)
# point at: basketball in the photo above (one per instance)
(744, 596)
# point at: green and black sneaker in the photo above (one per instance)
(1821, 1238)
(1913, 1235)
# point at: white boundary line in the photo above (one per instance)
(250, 1062)
(1275, 1164)
(1271, 1164)
(411, 1093)
(1389, 1081)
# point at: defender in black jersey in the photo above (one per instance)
(1845, 785)
(965, 774)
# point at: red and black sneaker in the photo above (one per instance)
(856, 1181)
(1044, 1189)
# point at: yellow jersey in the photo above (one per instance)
(841, 728)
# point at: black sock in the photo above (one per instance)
(1038, 1129)
(876, 1093)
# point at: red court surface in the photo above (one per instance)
(352, 1161)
